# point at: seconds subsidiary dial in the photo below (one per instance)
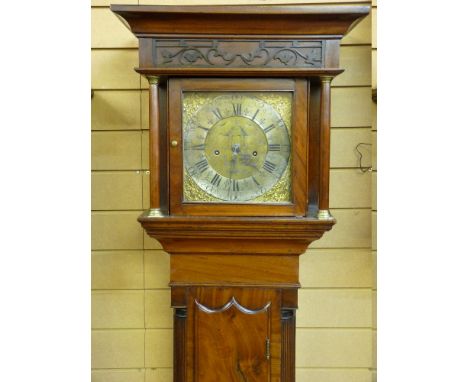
(236, 147)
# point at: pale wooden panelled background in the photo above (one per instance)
(131, 318)
(374, 177)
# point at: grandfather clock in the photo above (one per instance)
(239, 100)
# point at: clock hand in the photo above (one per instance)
(235, 149)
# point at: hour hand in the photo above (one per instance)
(235, 148)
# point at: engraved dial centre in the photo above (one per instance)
(235, 139)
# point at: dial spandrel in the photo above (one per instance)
(237, 147)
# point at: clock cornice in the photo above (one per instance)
(241, 19)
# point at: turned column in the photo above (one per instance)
(325, 95)
(155, 194)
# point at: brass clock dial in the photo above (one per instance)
(237, 145)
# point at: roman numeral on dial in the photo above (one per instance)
(200, 166)
(269, 167)
(255, 114)
(217, 113)
(196, 147)
(237, 107)
(234, 185)
(216, 180)
(274, 147)
(268, 128)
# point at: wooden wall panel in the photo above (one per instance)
(374, 27)
(117, 309)
(158, 375)
(374, 349)
(144, 106)
(116, 150)
(117, 270)
(150, 243)
(334, 348)
(116, 110)
(337, 268)
(145, 150)
(352, 231)
(107, 31)
(360, 34)
(113, 69)
(156, 269)
(116, 230)
(374, 68)
(350, 188)
(374, 185)
(333, 375)
(374, 309)
(158, 348)
(374, 150)
(146, 193)
(117, 348)
(136, 375)
(374, 116)
(100, 3)
(116, 190)
(374, 230)
(158, 311)
(335, 308)
(343, 147)
(374, 191)
(356, 61)
(351, 107)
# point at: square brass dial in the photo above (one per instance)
(237, 146)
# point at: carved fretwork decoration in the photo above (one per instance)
(238, 53)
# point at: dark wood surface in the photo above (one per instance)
(261, 230)
(241, 72)
(241, 19)
(314, 143)
(235, 268)
(325, 101)
(154, 144)
(288, 345)
(240, 269)
(222, 317)
(180, 332)
(298, 207)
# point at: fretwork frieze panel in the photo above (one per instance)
(206, 53)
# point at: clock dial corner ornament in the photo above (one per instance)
(236, 147)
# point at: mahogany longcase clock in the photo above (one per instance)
(239, 100)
